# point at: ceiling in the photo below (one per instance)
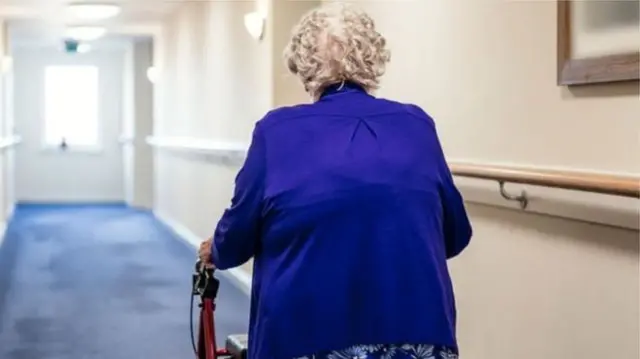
(42, 22)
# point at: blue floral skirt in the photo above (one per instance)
(422, 351)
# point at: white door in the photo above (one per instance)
(68, 110)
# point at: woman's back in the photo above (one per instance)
(349, 209)
(358, 217)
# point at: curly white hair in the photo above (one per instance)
(335, 43)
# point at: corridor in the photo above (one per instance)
(103, 281)
(463, 174)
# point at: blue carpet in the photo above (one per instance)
(100, 282)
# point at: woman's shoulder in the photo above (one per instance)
(374, 106)
(285, 112)
(405, 107)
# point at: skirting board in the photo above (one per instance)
(239, 277)
(4, 224)
(3, 229)
(9, 212)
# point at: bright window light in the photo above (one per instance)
(71, 106)
(85, 33)
(83, 48)
(93, 11)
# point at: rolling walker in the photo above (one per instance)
(206, 286)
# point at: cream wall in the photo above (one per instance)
(216, 83)
(530, 286)
(287, 89)
(197, 101)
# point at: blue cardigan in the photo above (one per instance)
(350, 212)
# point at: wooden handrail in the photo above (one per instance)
(624, 186)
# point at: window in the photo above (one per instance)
(71, 106)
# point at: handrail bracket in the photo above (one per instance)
(522, 198)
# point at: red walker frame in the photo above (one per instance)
(206, 286)
(207, 347)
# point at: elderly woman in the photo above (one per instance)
(348, 208)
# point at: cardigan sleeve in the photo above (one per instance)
(456, 226)
(237, 233)
(455, 222)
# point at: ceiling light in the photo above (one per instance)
(93, 11)
(85, 33)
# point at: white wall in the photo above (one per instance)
(138, 124)
(49, 175)
(8, 153)
(530, 286)
(6, 130)
(127, 135)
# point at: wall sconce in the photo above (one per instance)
(254, 23)
(7, 64)
(152, 74)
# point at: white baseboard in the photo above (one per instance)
(9, 212)
(238, 276)
(5, 223)
(3, 229)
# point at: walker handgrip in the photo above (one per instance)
(203, 269)
(205, 283)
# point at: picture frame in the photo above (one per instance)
(617, 67)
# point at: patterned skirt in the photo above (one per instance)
(406, 351)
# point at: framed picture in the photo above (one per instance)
(598, 41)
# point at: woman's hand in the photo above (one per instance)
(204, 252)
